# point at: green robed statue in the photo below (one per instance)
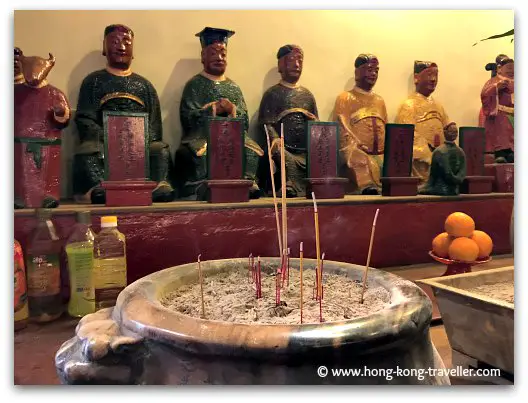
(116, 88)
(208, 94)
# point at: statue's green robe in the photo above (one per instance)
(199, 95)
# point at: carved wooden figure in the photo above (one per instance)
(426, 114)
(41, 111)
(291, 105)
(448, 166)
(211, 94)
(497, 98)
(116, 88)
(362, 116)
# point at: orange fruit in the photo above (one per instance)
(459, 224)
(463, 249)
(484, 243)
(441, 244)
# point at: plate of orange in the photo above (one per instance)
(461, 242)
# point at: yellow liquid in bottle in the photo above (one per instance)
(80, 267)
(110, 280)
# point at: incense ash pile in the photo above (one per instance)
(503, 290)
(230, 296)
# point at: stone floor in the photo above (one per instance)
(35, 346)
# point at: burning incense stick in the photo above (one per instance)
(317, 247)
(201, 285)
(320, 310)
(283, 188)
(301, 274)
(259, 291)
(253, 268)
(368, 257)
(250, 268)
(274, 194)
(322, 264)
(278, 280)
(288, 269)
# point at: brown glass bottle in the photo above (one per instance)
(43, 270)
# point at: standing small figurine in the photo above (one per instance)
(362, 116)
(211, 94)
(491, 67)
(19, 77)
(498, 109)
(427, 116)
(292, 105)
(116, 88)
(41, 111)
(448, 166)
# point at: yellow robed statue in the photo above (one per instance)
(362, 116)
(426, 114)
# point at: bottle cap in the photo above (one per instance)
(84, 217)
(108, 221)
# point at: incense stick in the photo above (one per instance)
(278, 281)
(274, 194)
(250, 269)
(301, 274)
(283, 188)
(322, 265)
(259, 293)
(253, 268)
(317, 247)
(201, 285)
(288, 268)
(320, 310)
(369, 254)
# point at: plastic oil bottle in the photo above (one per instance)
(110, 268)
(43, 270)
(21, 302)
(80, 257)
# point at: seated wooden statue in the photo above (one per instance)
(291, 105)
(116, 88)
(426, 114)
(211, 94)
(448, 166)
(362, 115)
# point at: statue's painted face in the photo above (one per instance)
(291, 65)
(214, 58)
(426, 81)
(367, 75)
(451, 132)
(507, 70)
(17, 66)
(118, 49)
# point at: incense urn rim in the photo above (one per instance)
(139, 311)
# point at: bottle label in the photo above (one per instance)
(20, 281)
(43, 275)
(80, 264)
(110, 280)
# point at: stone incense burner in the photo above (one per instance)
(140, 341)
